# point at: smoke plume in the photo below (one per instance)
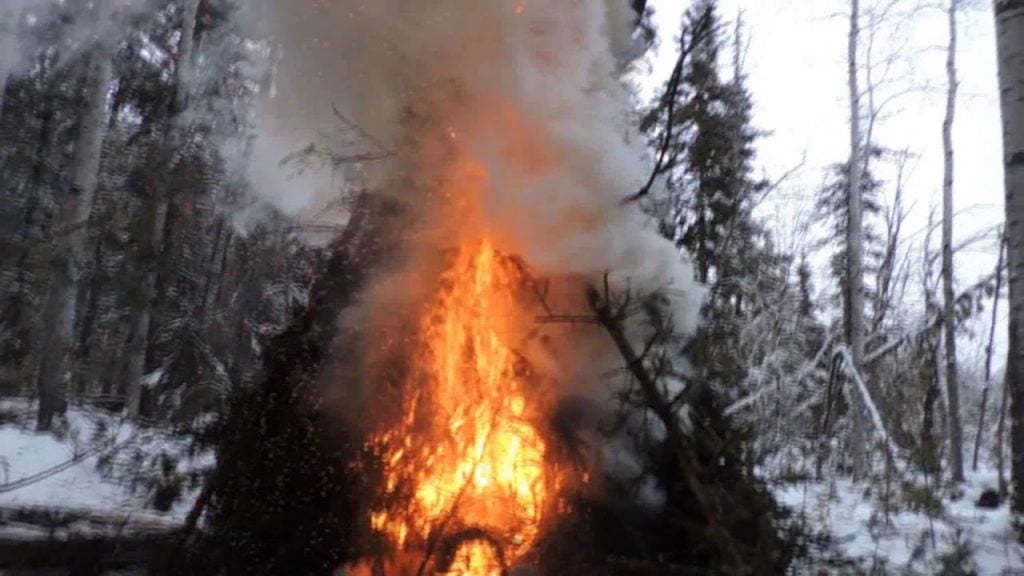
(521, 101)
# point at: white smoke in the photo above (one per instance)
(81, 27)
(531, 90)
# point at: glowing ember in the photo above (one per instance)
(465, 457)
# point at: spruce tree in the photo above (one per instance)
(712, 194)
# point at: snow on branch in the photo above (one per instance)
(930, 323)
(872, 408)
(745, 402)
(806, 370)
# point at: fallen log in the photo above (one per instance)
(83, 541)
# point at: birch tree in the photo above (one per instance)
(161, 205)
(855, 236)
(70, 230)
(949, 298)
(1009, 15)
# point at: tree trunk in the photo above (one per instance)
(1000, 442)
(981, 426)
(186, 55)
(686, 459)
(988, 371)
(990, 348)
(91, 300)
(162, 205)
(1009, 15)
(139, 343)
(956, 449)
(212, 275)
(59, 308)
(854, 241)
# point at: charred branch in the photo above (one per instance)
(691, 38)
(611, 318)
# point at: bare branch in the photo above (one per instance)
(669, 101)
(876, 416)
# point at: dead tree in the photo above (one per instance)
(989, 349)
(704, 476)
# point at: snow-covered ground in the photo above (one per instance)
(907, 541)
(96, 466)
(91, 469)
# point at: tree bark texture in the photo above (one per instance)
(161, 200)
(71, 238)
(1009, 15)
(854, 240)
(956, 450)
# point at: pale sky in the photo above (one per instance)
(796, 67)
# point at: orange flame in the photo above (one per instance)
(466, 456)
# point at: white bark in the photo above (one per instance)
(1009, 15)
(988, 371)
(891, 449)
(59, 308)
(162, 202)
(956, 460)
(854, 239)
(1000, 439)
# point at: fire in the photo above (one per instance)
(466, 466)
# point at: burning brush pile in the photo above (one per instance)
(489, 376)
(468, 477)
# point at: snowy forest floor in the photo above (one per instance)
(908, 540)
(99, 467)
(96, 473)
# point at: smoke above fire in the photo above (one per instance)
(524, 98)
(505, 130)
